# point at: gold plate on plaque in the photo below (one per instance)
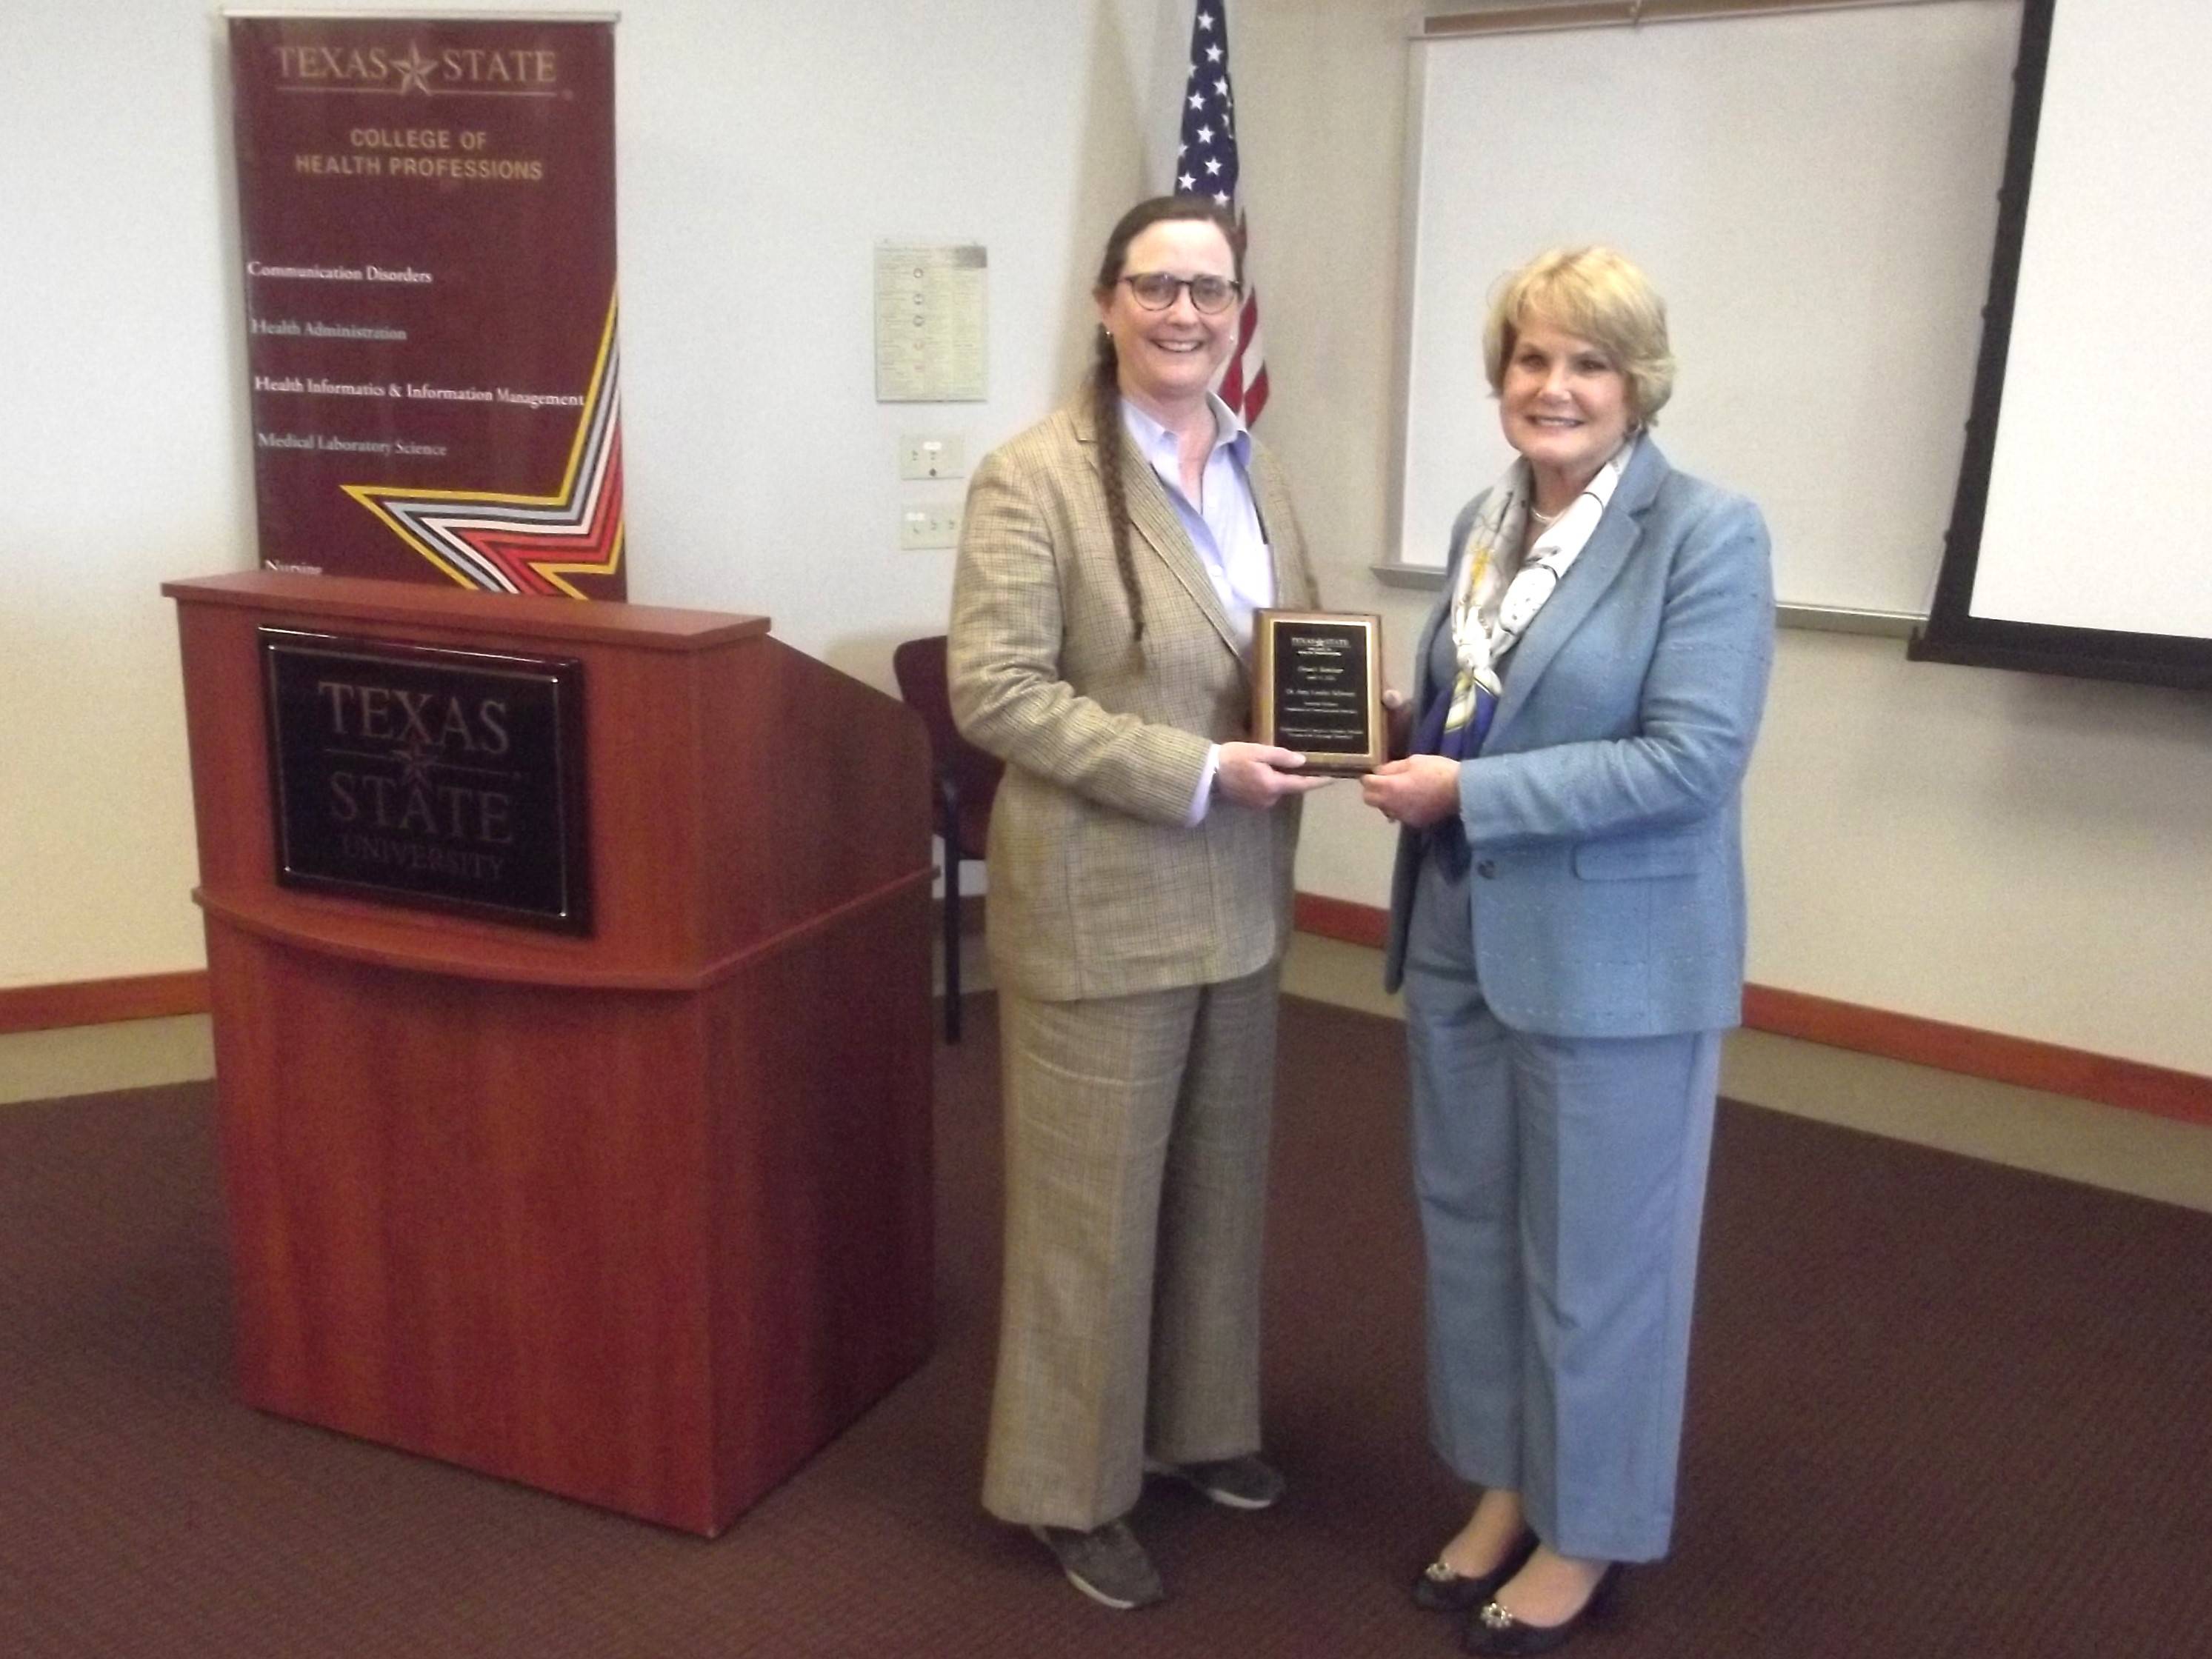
(1317, 687)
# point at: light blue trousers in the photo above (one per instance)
(1561, 1183)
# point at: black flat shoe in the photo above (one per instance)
(1439, 1589)
(1492, 1630)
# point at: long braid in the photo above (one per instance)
(1106, 416)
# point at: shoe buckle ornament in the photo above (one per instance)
(1496, 1617)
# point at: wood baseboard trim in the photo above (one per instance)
(102, 1001)
(1341, 919)
(1993, 1055)
(2022, 1061)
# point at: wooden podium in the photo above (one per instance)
(641, 1217)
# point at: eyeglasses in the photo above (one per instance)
(1155, 291)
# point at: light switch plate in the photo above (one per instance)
(929, 526)
(932, 455)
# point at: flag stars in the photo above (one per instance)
(1205, 169)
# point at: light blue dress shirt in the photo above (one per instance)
(1223, 525)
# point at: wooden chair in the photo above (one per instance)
(967, 779)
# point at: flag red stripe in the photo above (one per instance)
(1248, 366)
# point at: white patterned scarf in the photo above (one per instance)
(1485, 623)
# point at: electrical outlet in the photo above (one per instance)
(932, 455)
(929, 526)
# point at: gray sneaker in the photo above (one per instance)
(1241, 1483)
(1106, 1564)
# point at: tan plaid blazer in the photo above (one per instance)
(1097, 887)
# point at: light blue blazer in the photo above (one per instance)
(1604, 813)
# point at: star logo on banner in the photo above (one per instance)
(414, 72)
(511, 543)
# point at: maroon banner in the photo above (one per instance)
(427, 210)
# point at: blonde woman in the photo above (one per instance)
(1567, 920)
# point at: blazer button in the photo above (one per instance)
(1486, 869)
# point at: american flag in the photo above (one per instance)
(1205, 165)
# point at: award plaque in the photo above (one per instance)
(1317, 688)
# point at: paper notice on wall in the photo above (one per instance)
(930, 323)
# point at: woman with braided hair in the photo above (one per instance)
(1111, 561)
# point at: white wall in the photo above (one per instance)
(764, 149)
(121, 426)
(2024, 855)
(2021, 855)
(2010, 851)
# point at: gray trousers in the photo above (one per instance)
(1561, 1184)
(1137, 1135)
